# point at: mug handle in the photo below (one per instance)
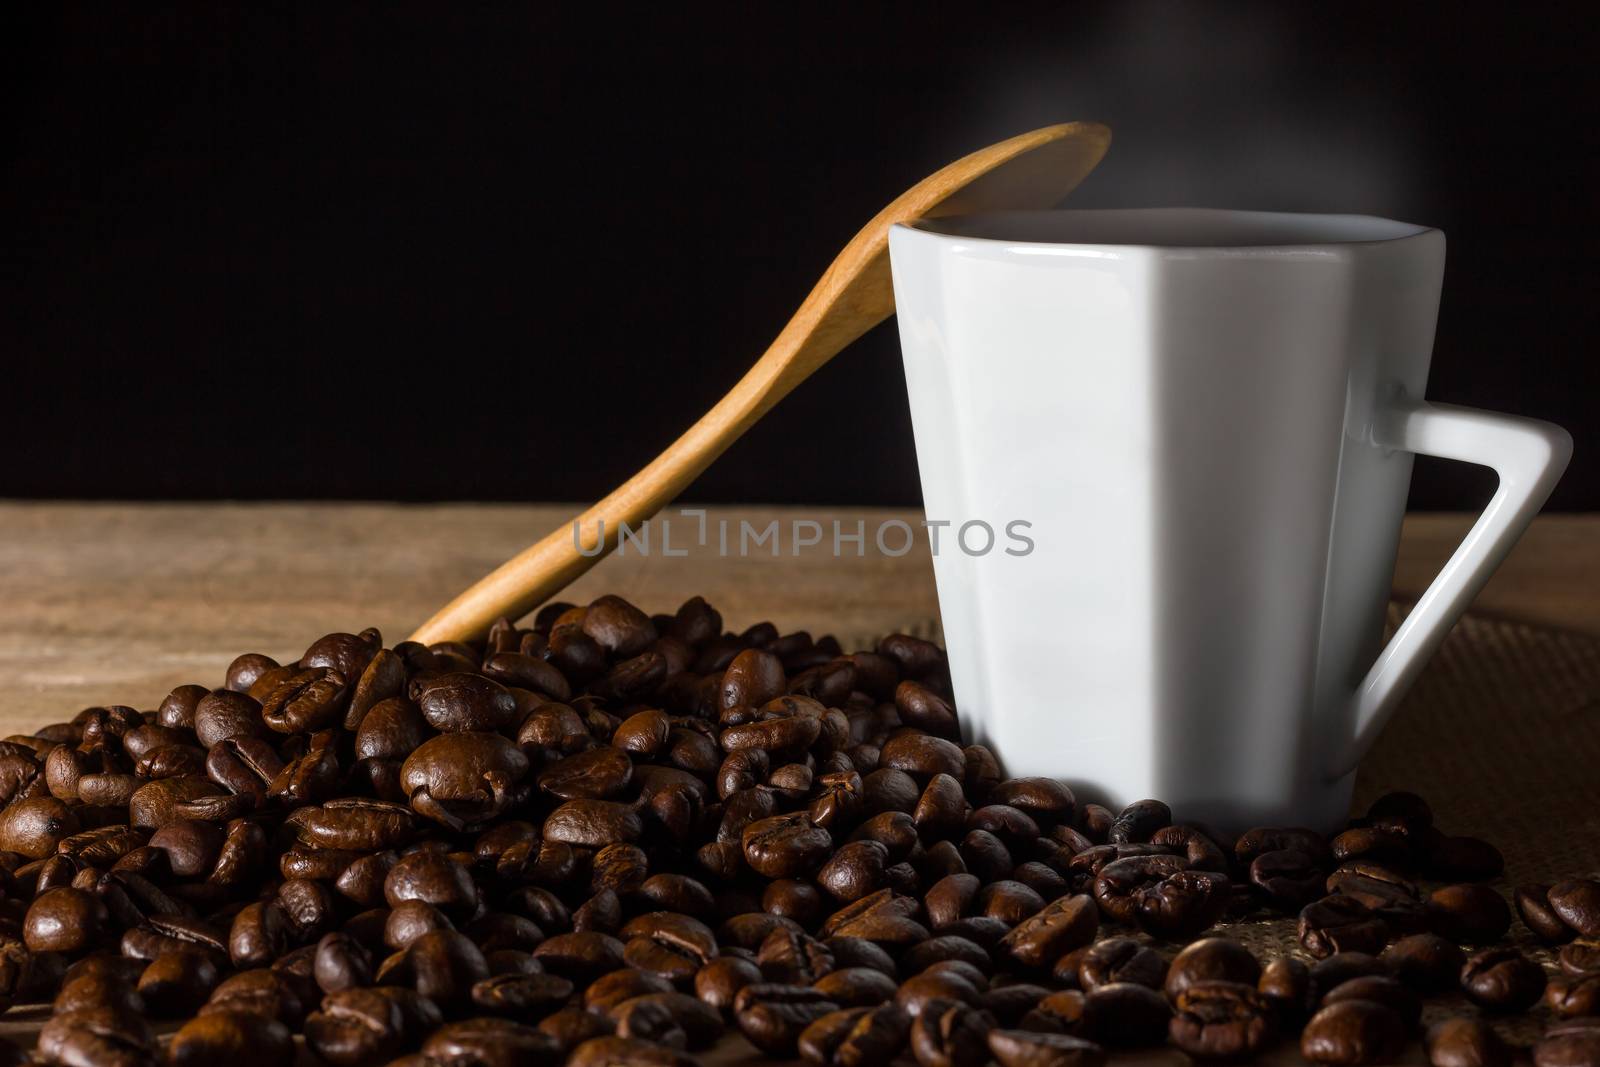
(1529, 456)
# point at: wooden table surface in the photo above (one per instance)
(118, 603)
(115, 603)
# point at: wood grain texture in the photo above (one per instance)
(1032, 170)
(117, 603)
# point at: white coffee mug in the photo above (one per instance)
(1208, 420)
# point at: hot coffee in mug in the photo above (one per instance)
(1209, 419)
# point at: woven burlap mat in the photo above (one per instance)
(1502, 736)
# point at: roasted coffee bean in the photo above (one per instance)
(1576, 902)
(1386, 844)
(1117, 881)
(1533, 908)
(1220, 1020)
(232, 1037)
(270, 993)
(852, 987)
(1502, 980)
(751, 680)
(858, 952)
(34, 826)
(434, 879)
(1571, 997)
(699, 1024)
(442, 965)
(855, 1037)
(718, 982)
(938, 984)
(1341, 967)
(458, 779)
(90, 990)
(1065, 924)
(1580, 959)
(1214, 959)
(951, 1034)
(1181, 905)
(1466, 1042)
(946, 949)
(951, 898)
(1010, 1004)
(573, 1026)
(307, 701)
(673, 946)
(1470, 914)
(855, 870)
(611, 1051)
(1138, 821)
(175, 984)
(360, 1026)
(223, 713)
(241, 674)
(491, 1042)
(1288, 878)
(260, 934)
(520, 995)
(614, 987)
(793, 899)
(341, 963)
(65, 920)
(1426, 962)
(789, 957)
(1121, 960)
(1353, 1032)
(1340, 924)
(601, 912)
(785, 846)
(1379, 989)
(581, 956)
(1059, 1013)
(243, 765)
(103, 1037)
(772, 1017)
(1008, 900)
(1286, 984)
(1023, 1048)
(923, 755)
(1571, 1043)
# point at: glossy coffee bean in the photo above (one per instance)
(1353, 1032)
(772, 1017)
(1023, 1048)
(1465, 1042)
(233, 1037)
(1570, 998)
(1213, 959)
(1502, 980)
(1341, 924)
(1569, 1043)
(1576, 902)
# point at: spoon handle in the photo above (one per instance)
(550, 564)
(852, 296)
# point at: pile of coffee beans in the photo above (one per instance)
(614, 838)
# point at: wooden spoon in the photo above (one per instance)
(1032, 170)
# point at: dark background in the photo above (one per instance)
(422, 252)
